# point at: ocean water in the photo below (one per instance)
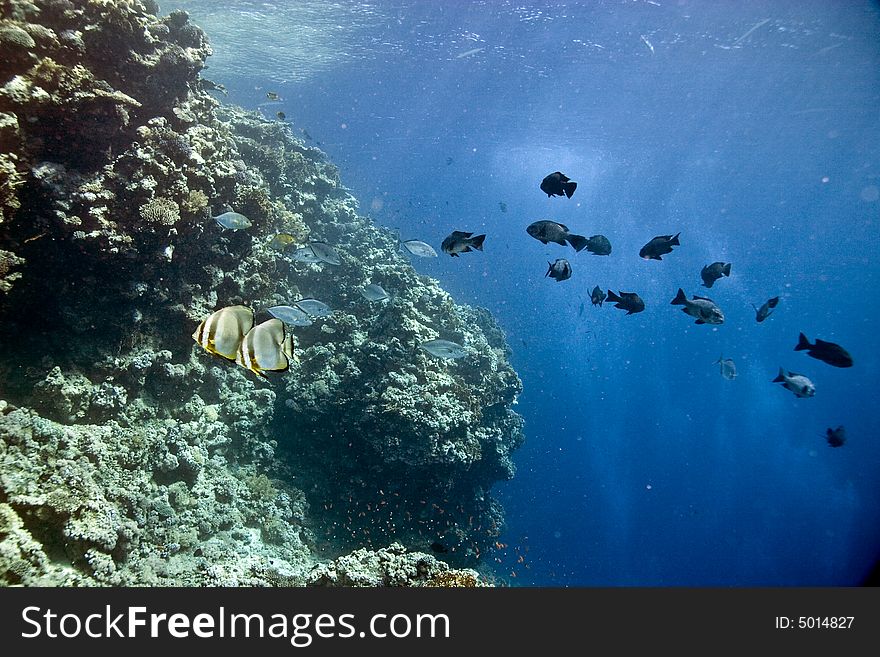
(750, 128)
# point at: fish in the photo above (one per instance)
(599, 245)
(281, 115)
(314, 307)
(765, 310)
(292, 315)
(711, 273)
(223, 330)
(449, 161)
(704, 309)
(281, 241)
(827, 352)
(233, 221)
(437, 546)
(597, 296)
(444, 349)
(325, 253)
(305, 254)
(557, 184)
(460, 242)
(374, 292)
(502, 206)
(727, 367)
(659, 246)
(550, 231)
(835, 437)
(559, 270)
(800, 385)
(629, 301)
(271, 95)
(419, 248)
(266, 347)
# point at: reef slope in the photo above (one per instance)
(128, 455)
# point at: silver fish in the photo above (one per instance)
(314, 307)
(419, 248)
(373, 292)
(444, 349)
(233, 221)
(800, 385)
(290, 315)
(727, 367)
(325, 253)
(305, 254)
(705, 310)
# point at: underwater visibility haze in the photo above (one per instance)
(631, 410)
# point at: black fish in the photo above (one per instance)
(460, 242)
(550, 231)
(597, 296)
(629, 301)
(828, 352)
(713, 272)
(835, 437)
(658, 246)
(765, 310)
(599, 245)
(560, 270)
(281, 115)
(502, 206)
(557, 184)
(439, 547)
(581, 309)
(271, 95)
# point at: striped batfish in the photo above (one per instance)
(266, 347)
(222, 332)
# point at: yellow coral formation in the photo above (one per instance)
(454, 579)
(160, 210)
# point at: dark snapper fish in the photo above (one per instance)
(629, 301)
(835, 437)
(599, 245)
(658, 246)
(559, 270)
(460, 242)
(827, 352)
(550, 231)
(800, 385)
(766, 309)
(711, 273)
(705, 310)
(558, 184)
(597, 296)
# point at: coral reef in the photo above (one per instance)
(129, 455)
(391, 566)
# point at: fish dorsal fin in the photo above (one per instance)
(461, 233)
(703, 299)
(563, 226)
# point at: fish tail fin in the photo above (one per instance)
(549, 269)
(579, 242)
(803, 343)
(780, 377)
(613, 297)
(569, 188)
(679, 299)
(675, 241)
(726, 270)
(477, 242)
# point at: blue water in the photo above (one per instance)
(751, 128)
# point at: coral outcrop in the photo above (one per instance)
(129, 455)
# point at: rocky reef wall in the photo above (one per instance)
(129, 455)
